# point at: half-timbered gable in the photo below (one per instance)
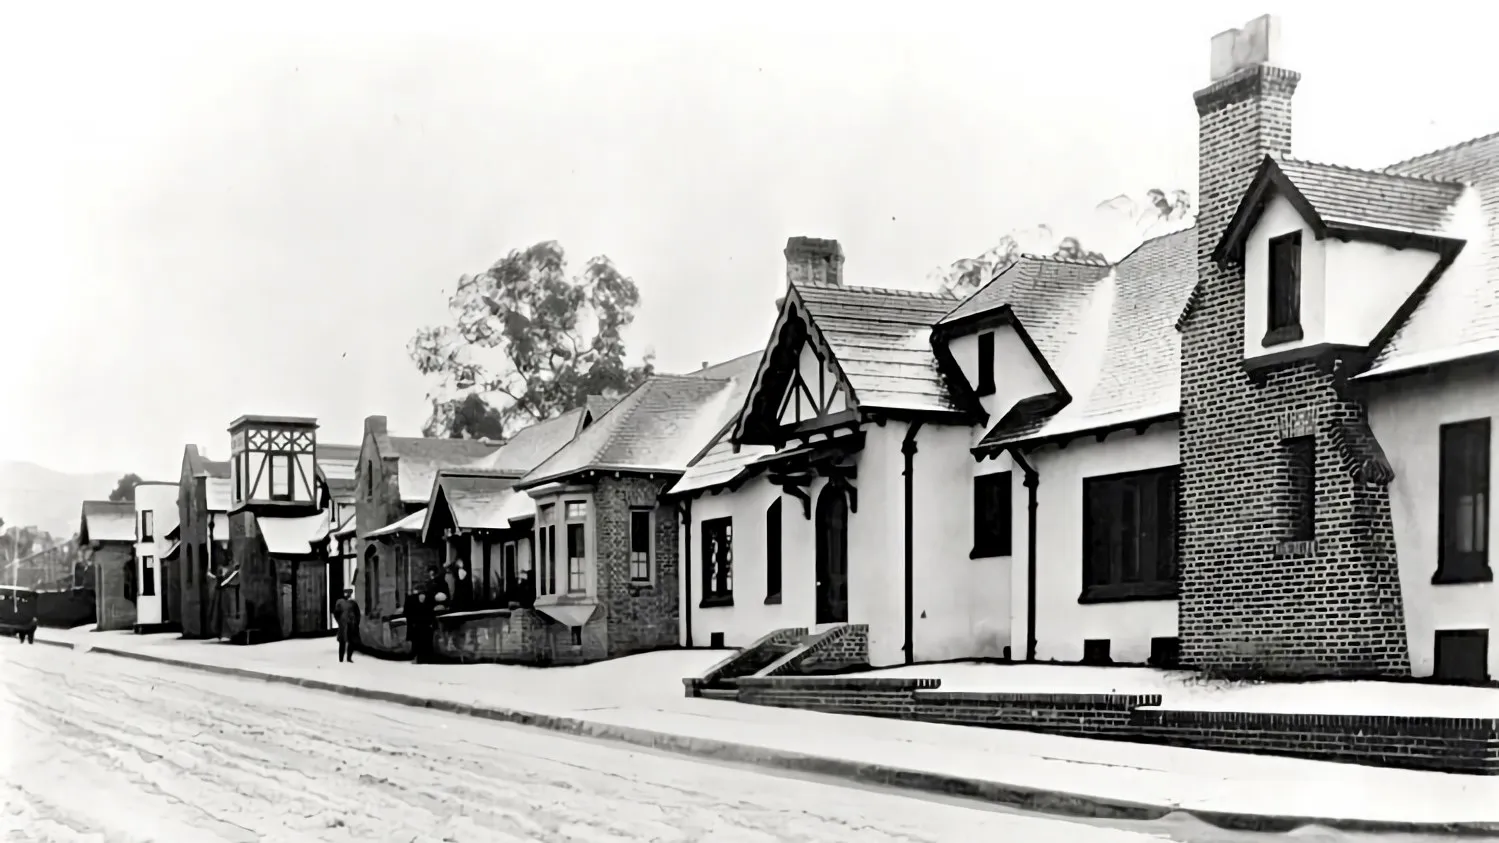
(273, 464)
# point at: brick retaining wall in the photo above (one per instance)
(1452, 745)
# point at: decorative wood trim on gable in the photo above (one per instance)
(779, 379)
(795, 471)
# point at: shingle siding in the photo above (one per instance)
(1243, 610)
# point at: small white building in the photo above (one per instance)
(155, 518)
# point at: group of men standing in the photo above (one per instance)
(420, 612)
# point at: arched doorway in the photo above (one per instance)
(832, 555)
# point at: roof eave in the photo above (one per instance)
(583, 474)
(995, 448)
(1269, 176)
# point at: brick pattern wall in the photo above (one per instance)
(1244, 608)
(556, 643)
(639, 617)
(371, 512)
(836, 648)
(197, 595)
(114, 609)
(500, 635)
(758, 656)
(1454, 745)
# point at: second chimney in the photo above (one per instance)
(813, 260)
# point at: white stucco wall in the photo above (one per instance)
(750, 617)
(1016, 373)
(161, 501)
(1062, 624)
(1366, 284)
(1406, 416)
(1281, 218)
(961, 605)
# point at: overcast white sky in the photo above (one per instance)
(205, 214)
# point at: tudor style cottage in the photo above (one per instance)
(203, 497)
(107, 533)
(1257, 445)
(155, 519)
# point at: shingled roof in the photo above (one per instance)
(339, 465)
(1371, 198)
(1458, 316)
(1135, 366)
(882, 340)
(1047, 295)
(419, 460)
(659, 427)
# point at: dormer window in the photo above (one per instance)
(985, 385)
(1284, 312)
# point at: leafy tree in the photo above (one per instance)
(1147, 216)
(530, 337)
(471, 418)
(125, 489)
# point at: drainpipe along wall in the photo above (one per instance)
(1032, 480)
(686, 571)
(908, 450)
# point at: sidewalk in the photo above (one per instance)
(639, 701)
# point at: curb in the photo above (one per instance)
(1015, 796)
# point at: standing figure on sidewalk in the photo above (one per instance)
(419, 626)
(346, 612)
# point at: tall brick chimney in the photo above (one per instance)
(1253, 600)
(811, 259)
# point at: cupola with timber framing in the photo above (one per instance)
(273, 465)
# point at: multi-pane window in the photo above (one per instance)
(148, 576)
(1284, 315)
(718, 560)
(640, 545)
(991, 515)
(985, 385)
(1130, 535)
(773, 552)
(148, 526)
(576, 513)
(1463, 552)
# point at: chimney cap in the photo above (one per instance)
(813, 245)
(1255, 43)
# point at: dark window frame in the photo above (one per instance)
(985, 380)
(773, 553)
(1283, 290)
(641, 562)
(1123, 572)
(1465, 452)
(575, 532)
(993, 515)
(718, 574)
(1301, 488)
(148, 525)
(148, 577)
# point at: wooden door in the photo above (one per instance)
(312, 598)
(832, 555)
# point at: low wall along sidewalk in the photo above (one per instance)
(1439, 744)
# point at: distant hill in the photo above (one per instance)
(31, 495)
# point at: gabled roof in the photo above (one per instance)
(471, 501)
(882, 341)
(199, 465)
(339, 466)
(1344, 201)
(1138, 368)
(531, 445)
(107, 521)
(1456, 316)
(659, 427)
(420, 459)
